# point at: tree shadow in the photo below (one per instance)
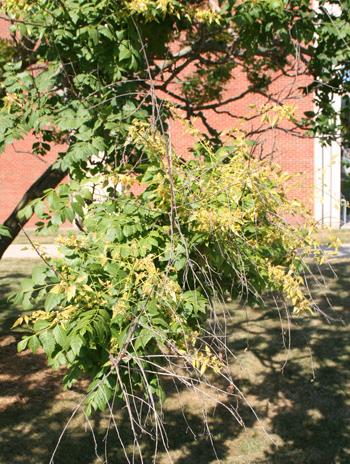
(12, 272)
(34, 411)
(8, 311)
(33, 407)
(309, 395)
(303, 403)
(314, 424)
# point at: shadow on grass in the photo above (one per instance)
(33, 407)
(303, 404)
(314, 424)
(11, 274)
(8, 312)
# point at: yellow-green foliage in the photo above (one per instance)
(152, 265)
(142, 6)
(16, 7)
(142, 280)
(188, 10)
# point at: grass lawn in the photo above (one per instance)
(304, 405)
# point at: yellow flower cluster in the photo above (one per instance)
(71, 241)
(221, 220)
(149, 9)
(292, 287)
(144, 6)
(201, 360)
(207, 16)
(16, 7)
(29, 319)
(122, 182)
(275, 114)
(55, 317)
(153, 281)
(140, 133)
(121, 307)
(12, 100)
(272, 4)
(207, 359)
(221, 210)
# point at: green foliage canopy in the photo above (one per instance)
(136, 288)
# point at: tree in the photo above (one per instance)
(214, 41)
(133, 297)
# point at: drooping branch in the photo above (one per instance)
(49, 179)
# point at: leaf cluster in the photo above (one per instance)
(142, 279)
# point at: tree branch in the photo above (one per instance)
(49, 179)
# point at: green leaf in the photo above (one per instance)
(41, 324)
(77, 207)
(26, 212)
(59, 360)
(52, 300)
(61, 336)
(128, 230)
(22, 345)
(26, 302)
(5, 232)
(160, 321)
(27, 285)
(144, 337)
(44, 80)
(39, 275)
(48, 342)
(76, 343)
(124, 251)
(69, 214)
(180, 263)
(54, 200)
(124, 52)
(70, 356)
(93, 34)
(130, 209)
(34, 343)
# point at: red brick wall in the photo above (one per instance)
(4, 29)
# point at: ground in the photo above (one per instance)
(302, 405)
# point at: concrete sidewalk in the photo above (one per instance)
(28, 252)
(344, 251)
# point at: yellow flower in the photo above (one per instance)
(144, 6)
(16, 7)
(292, 287)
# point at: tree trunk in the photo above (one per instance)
(49, 179)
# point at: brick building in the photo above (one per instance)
(318, 170)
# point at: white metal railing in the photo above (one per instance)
(343, 210)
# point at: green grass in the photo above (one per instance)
(303, 405)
